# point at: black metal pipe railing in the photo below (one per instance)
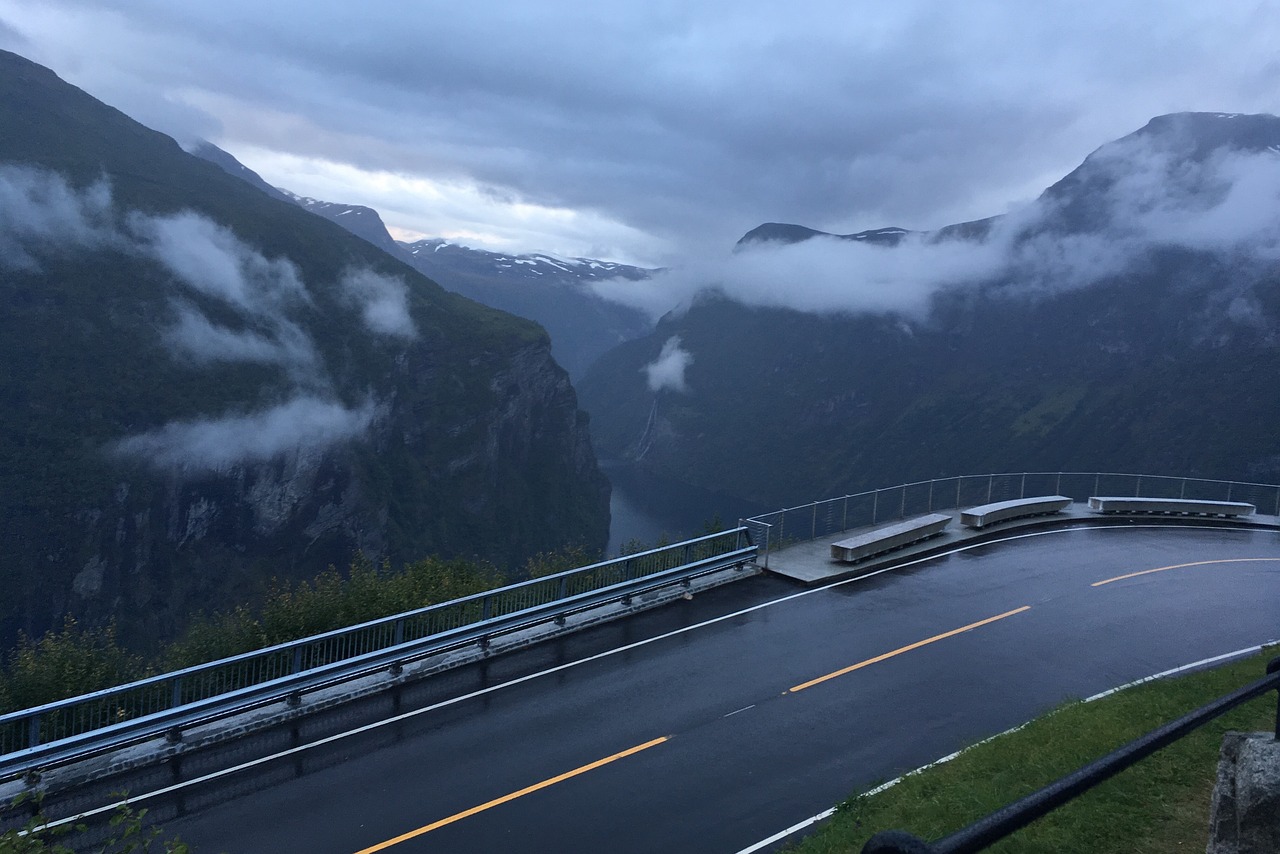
(1019, 814)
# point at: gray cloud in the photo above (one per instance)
(303, 424)
(686, 123)
(667, 371)
(383, 302)
(1156, 197)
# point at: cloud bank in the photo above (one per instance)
(650, 127)
(1145, 195)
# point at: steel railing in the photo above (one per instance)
(1019, 814)
(771, 531)
(159, 703)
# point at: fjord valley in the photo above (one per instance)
(205, 387)
(1126, 320)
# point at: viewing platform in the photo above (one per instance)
(811, 562)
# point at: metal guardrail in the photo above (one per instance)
(1019, 814)
(168, 702)
(771, 531)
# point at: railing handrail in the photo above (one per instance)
(168, 678)
(1022, 812)
(1136, 477)
(249, 696)
(760, 516)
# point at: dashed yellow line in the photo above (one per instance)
(1183, 565)
(559, 778)
(907, 648)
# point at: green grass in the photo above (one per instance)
(1159, 805)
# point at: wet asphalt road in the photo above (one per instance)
(746, 754)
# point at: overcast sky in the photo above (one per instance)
(652, 131)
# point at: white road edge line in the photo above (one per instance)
(600, 655)
(795, 828)
(825, 814)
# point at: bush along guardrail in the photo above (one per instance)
(771, 531)
(1003, 822)
(62, 730)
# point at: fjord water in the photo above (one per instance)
(650, 508)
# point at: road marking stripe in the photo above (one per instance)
(907, 648)
(527, 790)
(1182, 565)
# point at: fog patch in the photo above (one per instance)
(667, 371)
(41, 212)
(383, 302)
(218, 444)
(203, 341)
(210, 259)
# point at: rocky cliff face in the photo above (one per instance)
(517, 475)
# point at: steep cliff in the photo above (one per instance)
(202, 387)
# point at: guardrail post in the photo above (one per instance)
(1230, 483)
(959, 480)
(1022, 487)
(486, 606)
(1138, 489)
(1273, 666)
(902, 505)
(844, 518)
(175, 695)
(33, 731)
(1182, 493)
(990, 480)
(813, 532)
(1057, 485)
(295, 664)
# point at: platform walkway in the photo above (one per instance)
(811, 563)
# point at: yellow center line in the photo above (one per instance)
(1182, 565)
(560, 778)
(907, 648)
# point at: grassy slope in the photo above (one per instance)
(1159, 805)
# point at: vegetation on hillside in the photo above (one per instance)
(77, 659)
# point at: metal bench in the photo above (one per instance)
(1002, 511)
(886, 538)
(1179, 506)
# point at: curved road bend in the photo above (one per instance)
(720, 734)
